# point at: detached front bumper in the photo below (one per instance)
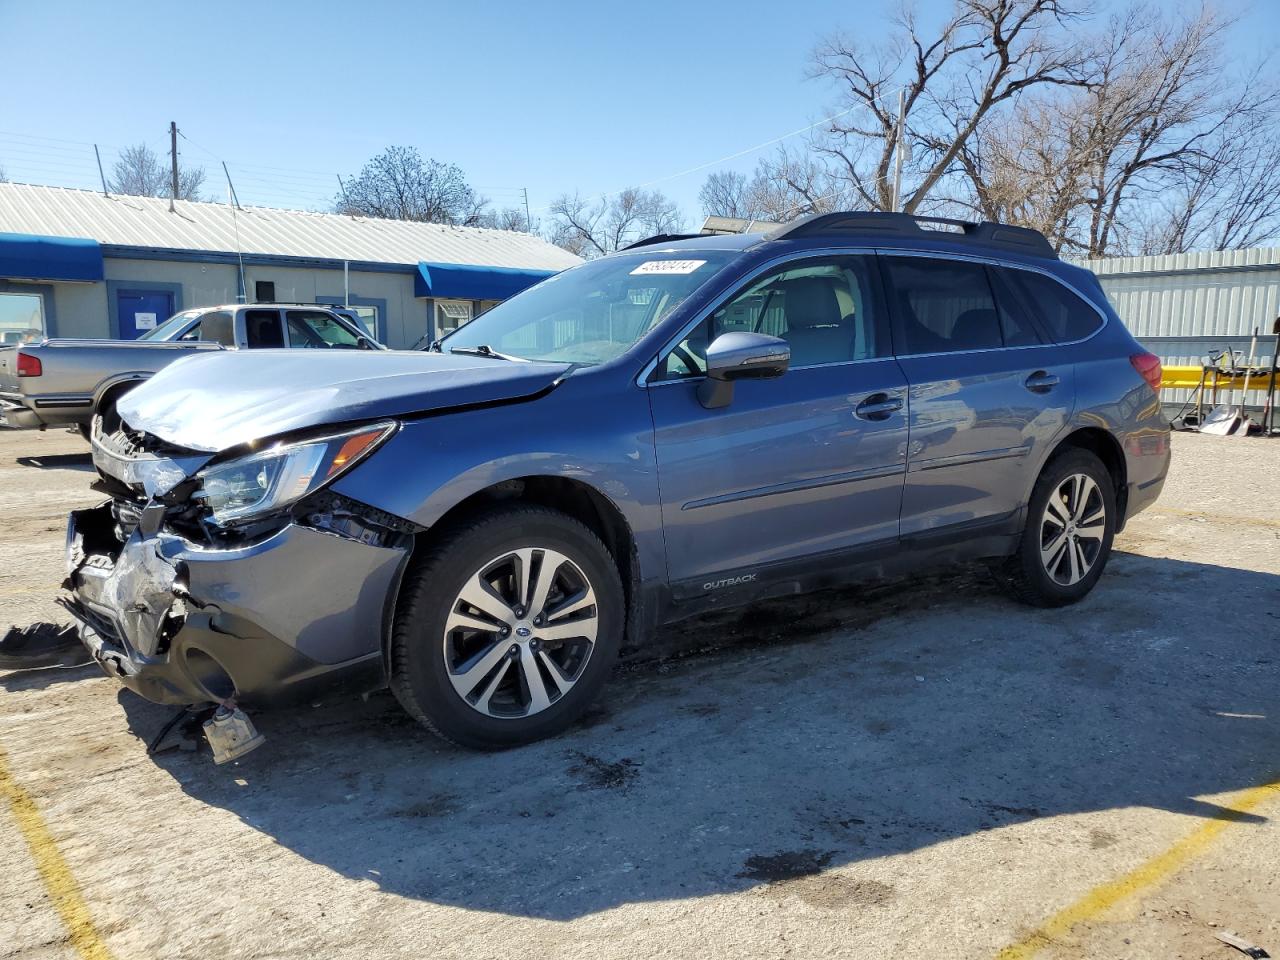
(177, 622)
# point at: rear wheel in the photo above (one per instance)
(507, 628)
(1071, 522)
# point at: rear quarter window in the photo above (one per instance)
(1063, 314)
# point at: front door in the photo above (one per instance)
(141, 311)
(800, 467)
(985, 396)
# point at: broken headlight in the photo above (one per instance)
(264, 482)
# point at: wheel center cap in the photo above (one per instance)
(523, 631)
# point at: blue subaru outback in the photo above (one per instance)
(690, 423)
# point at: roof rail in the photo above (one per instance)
(1022, 239)
(661, 238)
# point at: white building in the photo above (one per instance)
(78, 263)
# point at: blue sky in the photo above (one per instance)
(549, 96)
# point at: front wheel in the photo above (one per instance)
(1071, 521)
(507, 628)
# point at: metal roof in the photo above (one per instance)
(1253, 258)
(146, 222)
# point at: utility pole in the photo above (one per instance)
(897, 152)
(528, 222)
(173, 161)
(230, 186)
(345, 202)
(101, 176)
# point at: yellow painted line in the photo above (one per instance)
(58, 881)
(1159, 868)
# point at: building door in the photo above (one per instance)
(141, 311)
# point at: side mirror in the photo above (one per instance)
(741, 356)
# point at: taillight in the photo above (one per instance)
(1149, 368)
(29, 366)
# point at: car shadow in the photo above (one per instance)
(842, 727)
(58, 461)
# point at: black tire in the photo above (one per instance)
(420, 674)
(1026, 573)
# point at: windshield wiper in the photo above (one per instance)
(483, 350)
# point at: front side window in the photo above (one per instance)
(21, 317)
(316, 330)
(594, 312)
(824, 309)
(216, 327)
(1064, 315)
(941, 306)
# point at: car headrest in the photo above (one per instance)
(811, 302)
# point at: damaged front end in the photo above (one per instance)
(234, 577)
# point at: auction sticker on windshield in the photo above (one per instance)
(668, 266)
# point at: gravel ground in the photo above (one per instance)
(913, 769)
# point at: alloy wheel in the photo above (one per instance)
(520, 632)
(1072, 529)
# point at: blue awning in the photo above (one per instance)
(464, 282)
(26, 256)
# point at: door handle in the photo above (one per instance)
(1041, 381)
(878, 406)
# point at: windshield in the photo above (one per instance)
(170, 327)
(591, 313)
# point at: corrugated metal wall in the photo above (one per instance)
(1185, 305)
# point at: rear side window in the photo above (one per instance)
(1017, 314)
(1063, 314)
(941, 306)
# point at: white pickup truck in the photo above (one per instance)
(65, 382)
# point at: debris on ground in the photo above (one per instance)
(1241, 944)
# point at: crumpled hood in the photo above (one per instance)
(216, 401)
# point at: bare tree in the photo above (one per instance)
(139, 172)
(508, 218)
(986, 54)
(793, 184)
(3, 176)
(1163, 150)
(593, 229)
(727, 193)
(783, 187)
(1226, 199)
(398, 184)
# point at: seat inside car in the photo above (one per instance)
(817, 329)
(263, 330)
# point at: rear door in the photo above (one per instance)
(986, 395)
(799, 467)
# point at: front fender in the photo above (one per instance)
(586, 430)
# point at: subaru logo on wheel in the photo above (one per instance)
(523, 632)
